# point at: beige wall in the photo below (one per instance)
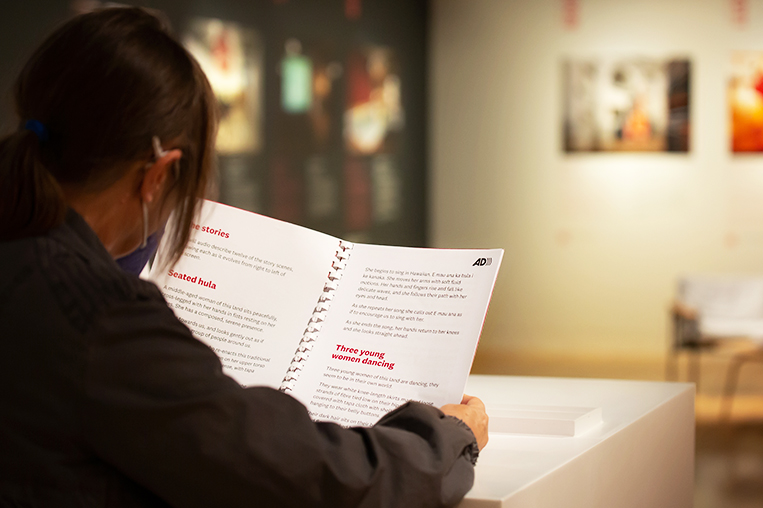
(594, 243)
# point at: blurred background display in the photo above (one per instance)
(322, 104)
(745, 98)
(296, 79)
(374, 112)
(626, 104)
(231, 57)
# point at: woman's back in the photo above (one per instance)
(54, 289)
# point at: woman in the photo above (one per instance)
(107, 398)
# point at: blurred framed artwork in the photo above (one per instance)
(745, 101)
(308, 119)
(374, 113)
(626, 104)
(232, 58)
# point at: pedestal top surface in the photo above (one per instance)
(510, 462)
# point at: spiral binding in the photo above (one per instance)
(319, 314)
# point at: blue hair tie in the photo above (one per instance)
(38, 128)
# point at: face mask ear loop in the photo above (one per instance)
(157, 144)
(159, 152)
(145, 225)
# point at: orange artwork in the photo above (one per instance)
(745, 99)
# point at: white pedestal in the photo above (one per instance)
(641, 455)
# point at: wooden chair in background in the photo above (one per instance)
(710, 311)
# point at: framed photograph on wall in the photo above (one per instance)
(232, 58)
(745, 101)
(374, 114)
(626, 104)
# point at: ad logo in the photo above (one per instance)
(483, 262)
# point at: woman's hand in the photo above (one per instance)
(471, 411)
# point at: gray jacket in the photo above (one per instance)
(107, 400)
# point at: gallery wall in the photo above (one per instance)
(595, 241)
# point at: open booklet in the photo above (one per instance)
(351, 330)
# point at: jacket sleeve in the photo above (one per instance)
(158, 407)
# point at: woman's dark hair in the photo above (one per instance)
(103, 85)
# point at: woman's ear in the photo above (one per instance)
(156, 174)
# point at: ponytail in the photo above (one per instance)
(31, 200)
(104, 84)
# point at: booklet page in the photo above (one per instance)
(247, 286)
(404, 325)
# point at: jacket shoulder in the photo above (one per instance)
(84, 285)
